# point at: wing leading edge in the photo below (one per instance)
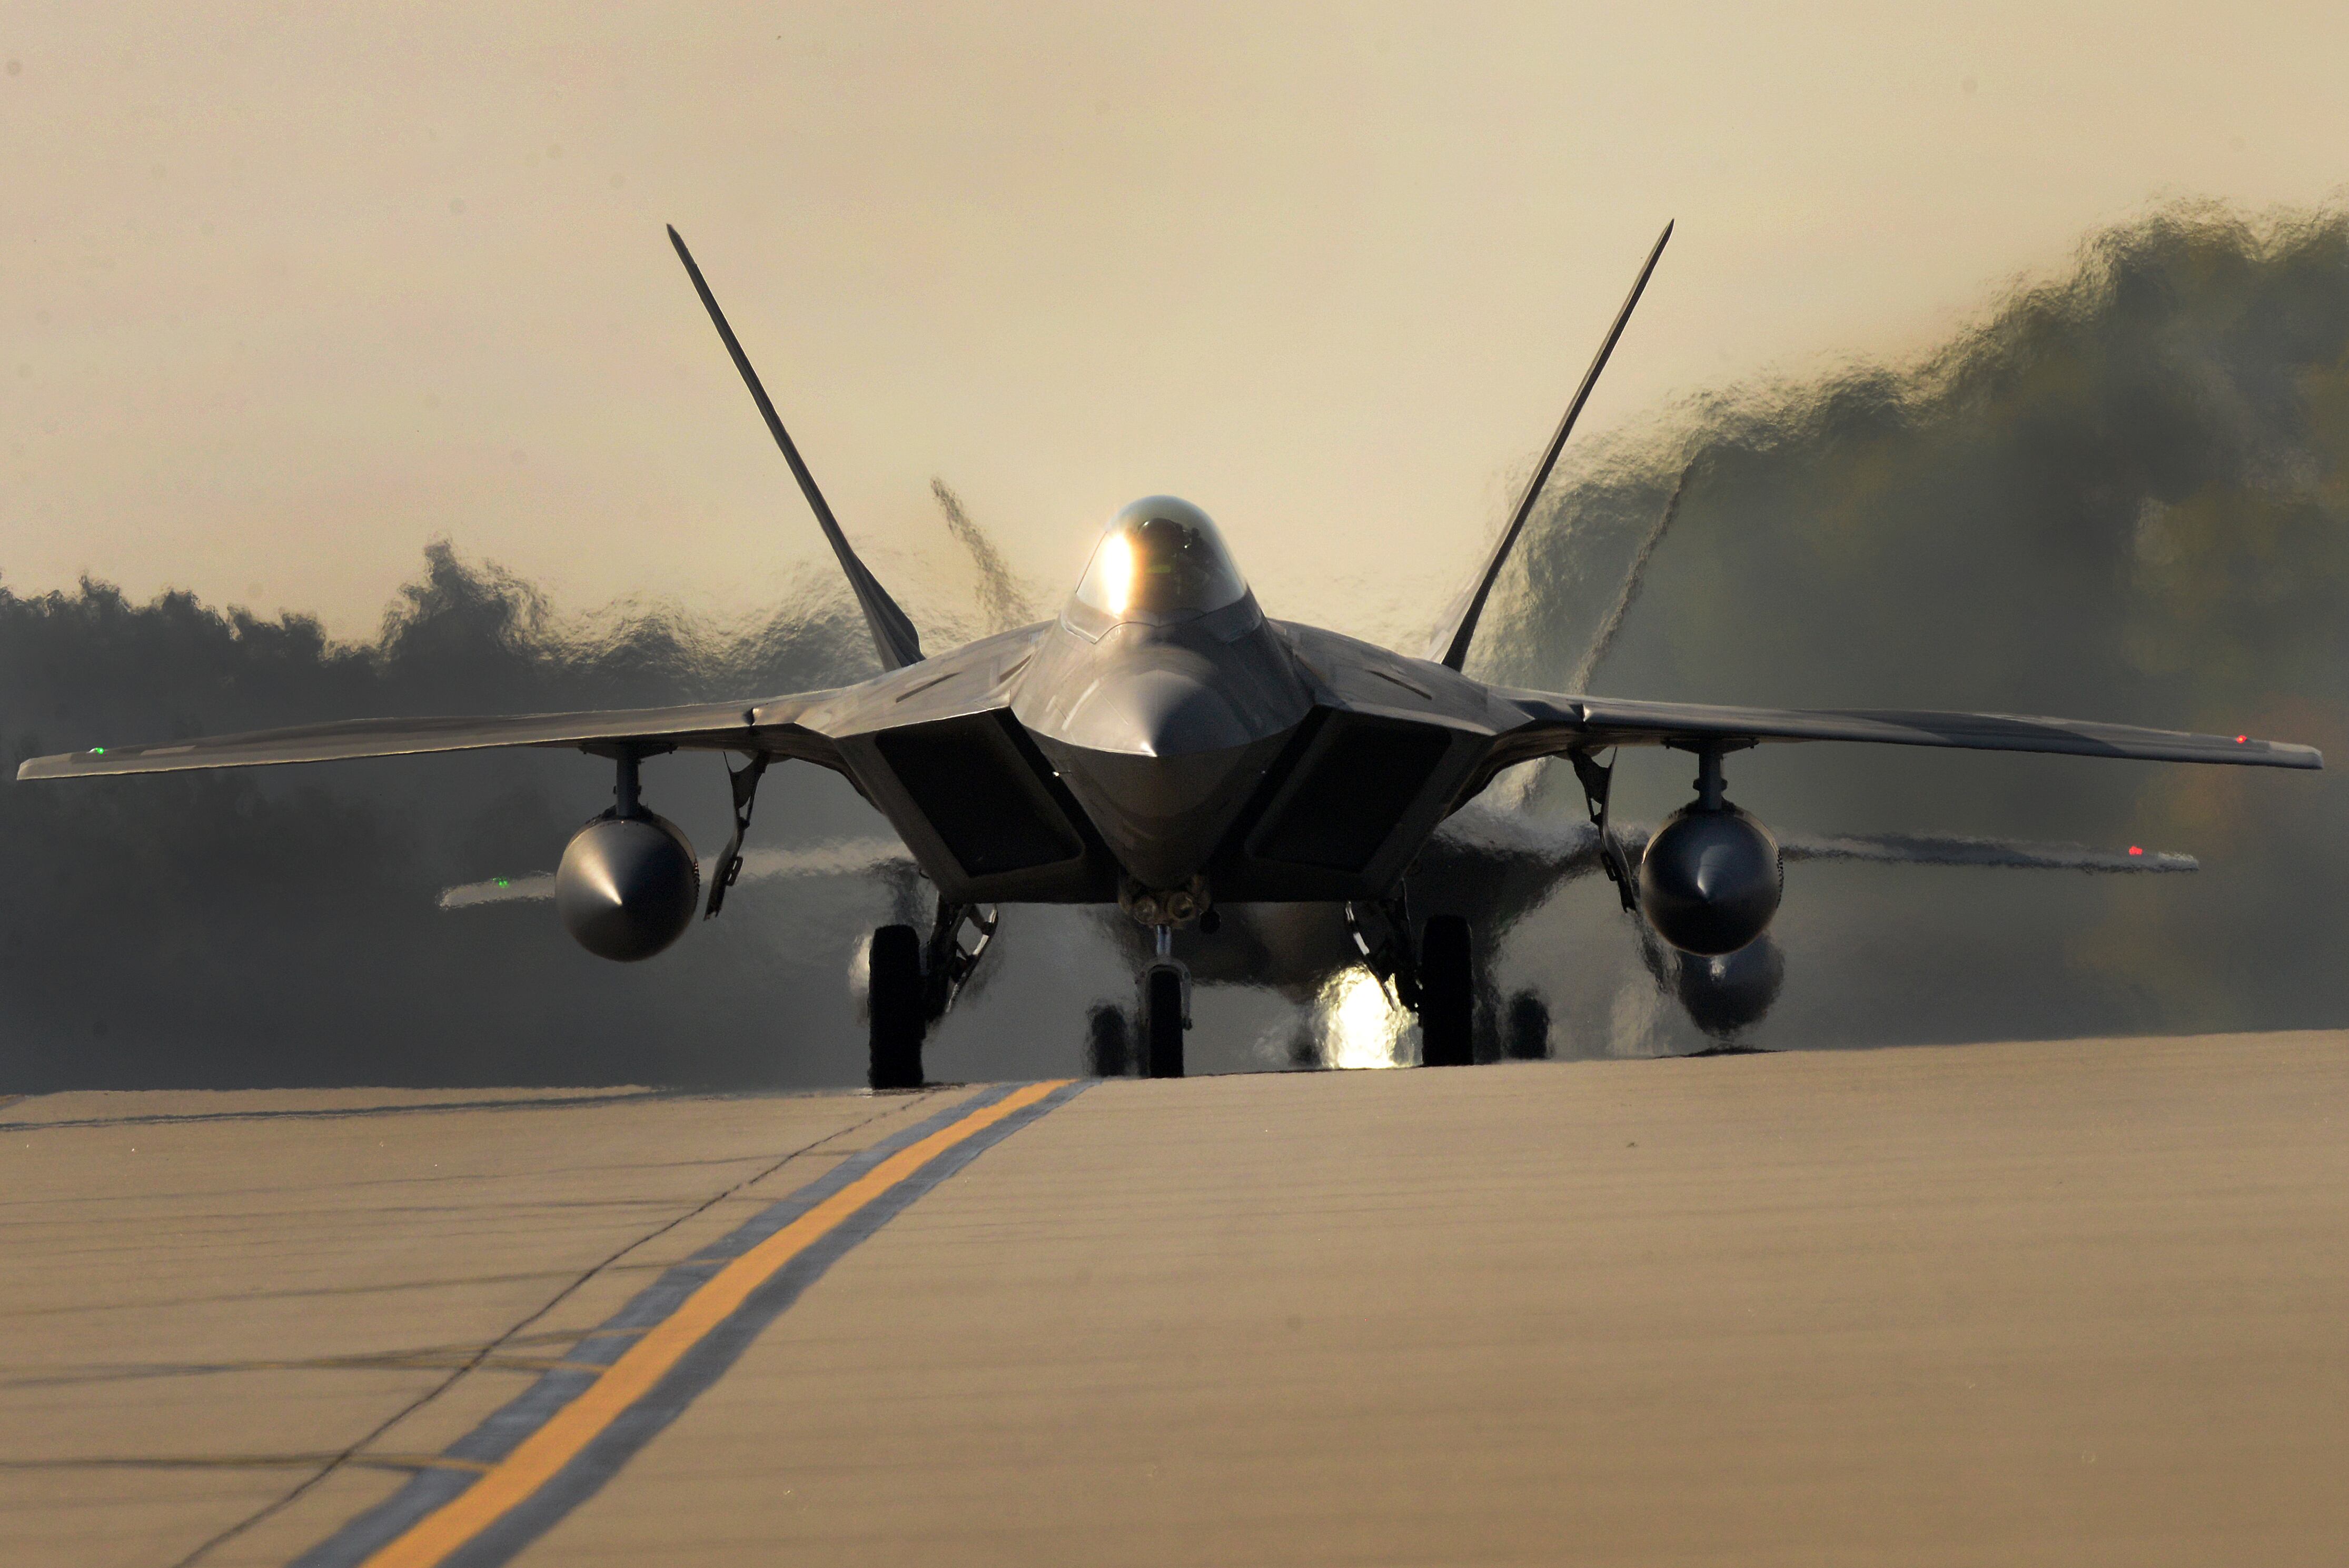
(769, 727)
(1480, 835)
(1559, 725)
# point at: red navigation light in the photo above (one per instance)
(2241, 739)
(2135, 850)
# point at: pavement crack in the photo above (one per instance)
(420, 1358)
(394, 1461)
(356, 1453)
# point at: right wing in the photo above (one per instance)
(771, 729)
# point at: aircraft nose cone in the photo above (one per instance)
(1164, 761)
(1165, 713)
(1163, 734)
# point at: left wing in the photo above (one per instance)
(1559, 725)
(772, 729)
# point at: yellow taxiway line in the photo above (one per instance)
(538, 1458)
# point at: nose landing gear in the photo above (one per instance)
(1163, 1014)
(1166, 1010)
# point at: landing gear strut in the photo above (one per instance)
(1597, 783)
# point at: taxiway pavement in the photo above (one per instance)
(2078, 1302)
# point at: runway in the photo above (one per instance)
(2076, 1302)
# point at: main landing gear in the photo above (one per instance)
(1434, 977)
(911, 983)
(1447, 994)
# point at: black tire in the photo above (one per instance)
(1162, 1023)
(1447, 995)
(893, 1001)
(1109, 1044)
(1528, 1028)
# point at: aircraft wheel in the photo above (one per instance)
(1528, 1032)
(1109, 1046)
(894, 1004)
(1162, 1023)
(1447, 995)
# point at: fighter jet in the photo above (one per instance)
(1162, 747)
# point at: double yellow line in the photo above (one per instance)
(540, 1456)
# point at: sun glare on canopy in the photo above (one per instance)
(1161, 556)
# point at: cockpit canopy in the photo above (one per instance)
(1161, 558)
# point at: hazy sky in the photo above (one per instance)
(285, 292)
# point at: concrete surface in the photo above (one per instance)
(2080, 1302)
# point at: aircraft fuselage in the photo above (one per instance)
(1231, 755)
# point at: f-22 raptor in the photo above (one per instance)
(1163, 746)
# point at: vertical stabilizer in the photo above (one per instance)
(1451, 645)
(894, 637)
